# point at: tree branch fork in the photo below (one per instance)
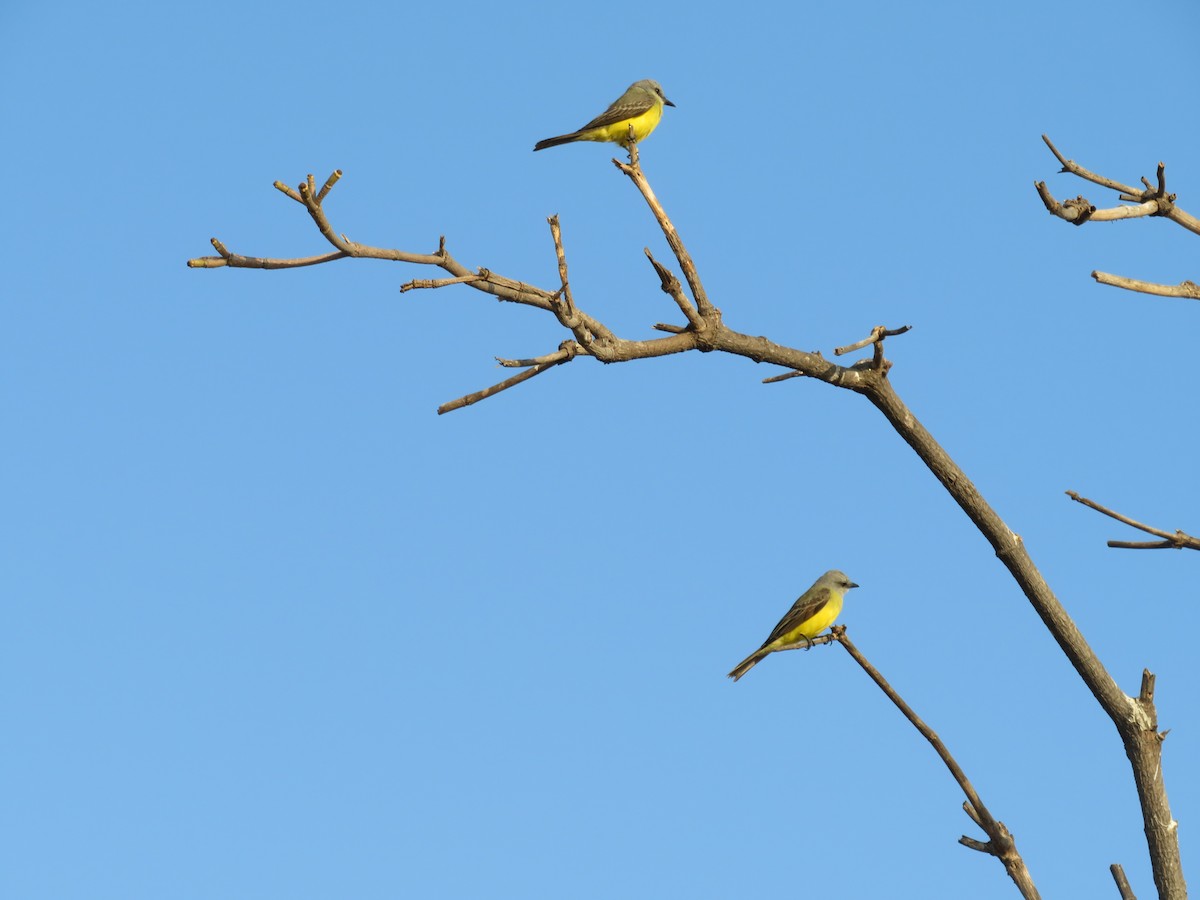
(1152, 200)
(700, 325)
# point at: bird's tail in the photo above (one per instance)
(746, 664)
(555, 141)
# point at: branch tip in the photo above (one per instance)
(1123, 887)
(329, 183)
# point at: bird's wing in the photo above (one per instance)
(809, 604)
(626, 106)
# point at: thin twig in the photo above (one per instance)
(567, 315)
(430, 283)
(877, 336)
(569, 347)
(237, 261)
(556, 359)
(1177, 540)
(1069, 165)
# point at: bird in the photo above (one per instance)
(814, 611)
(640, 106)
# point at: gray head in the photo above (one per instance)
(835, 579)
(652, 86)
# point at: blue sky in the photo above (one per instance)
(274, 629)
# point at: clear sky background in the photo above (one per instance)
(274, 629)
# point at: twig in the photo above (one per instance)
(429, 283)
(670, 285)
(1179, 540)
(878, 333)
(813, 642)
(567, 314)
(569, 347)
(563, 355)
(307, 195)
(1001, 843)
(1069, 165)
(703, 305)
(237, 261)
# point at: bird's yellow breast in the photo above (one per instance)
(814, 625)
(618, 132)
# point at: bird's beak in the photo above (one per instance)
(850, 585)
(667, 102)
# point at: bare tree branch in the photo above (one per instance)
(1135, 719)
(634, 171)
(1000, 842)
(1152, 201)
(566, 353)
(878, 333)
(1187, 289)
(1069, 165)
(1177, 540)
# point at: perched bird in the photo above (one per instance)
(641, 106)
(816, 610)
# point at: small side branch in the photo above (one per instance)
(671, 286)
(237, 261)
(311, 199)
(878, 333)
(568, 304)
(1001, 843)
(1187, 289)
(1177, 540)
(1069, 165)
(434, 283)
(566, 352)
(634, 170)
